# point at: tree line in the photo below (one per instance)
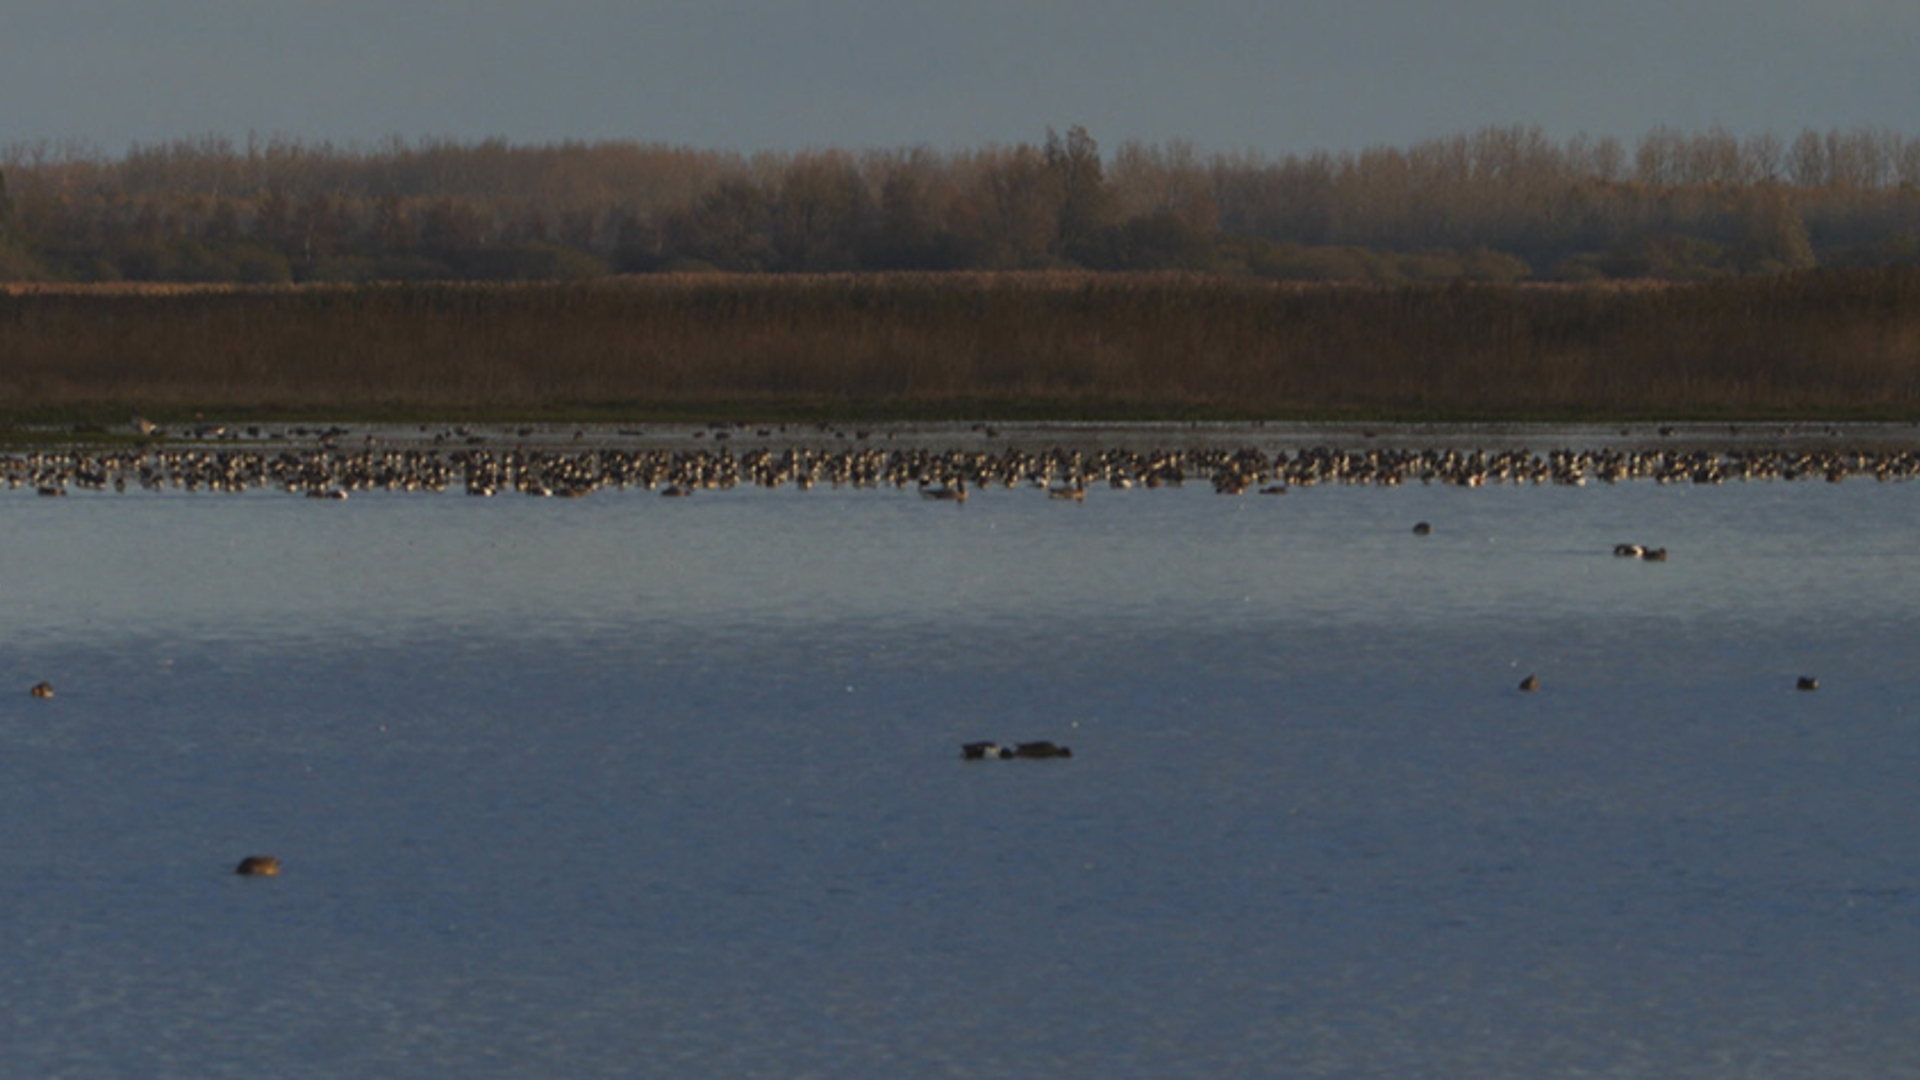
(1501, 204)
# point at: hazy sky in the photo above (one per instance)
(1272, 76)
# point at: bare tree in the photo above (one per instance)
(1085, 204)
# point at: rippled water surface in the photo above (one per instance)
(639, 786)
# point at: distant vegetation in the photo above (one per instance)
(1496, 274)
(1820, 343)
(1498, 205)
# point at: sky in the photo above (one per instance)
(1271, 77)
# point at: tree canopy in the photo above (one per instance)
(1502, 203)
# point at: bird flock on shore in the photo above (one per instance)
(329, 470)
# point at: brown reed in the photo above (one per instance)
(1809, 344)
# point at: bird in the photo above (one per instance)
(1530, 683)
(42, 690)
(258, 866)
(984, 751)
(1422, 529)
(1041, 750)
(1808, 682)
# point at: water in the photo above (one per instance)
(640, 786)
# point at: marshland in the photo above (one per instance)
(1814, 344)
(1493, 274)
(1384, 760)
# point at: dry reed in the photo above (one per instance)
(1066, 344)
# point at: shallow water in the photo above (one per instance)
(628, 785)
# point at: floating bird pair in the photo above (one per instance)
(984, 751)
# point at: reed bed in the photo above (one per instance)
(1067, 344)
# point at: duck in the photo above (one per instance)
(1422, 529)
(1041, 750)
(42, 690)
(1530, 683)
(1654, 555)
(1629, 551)
(258, 866)
(1808, 682)
(984, 751)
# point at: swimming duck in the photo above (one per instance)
(984, 751)
(1530, 683)
(1808, 682)
(1041, 750)
(42, 690)
(258, 866)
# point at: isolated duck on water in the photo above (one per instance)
(1041, 750)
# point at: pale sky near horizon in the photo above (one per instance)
(748, 75)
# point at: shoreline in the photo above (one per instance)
(945, 461)
(1534, 435)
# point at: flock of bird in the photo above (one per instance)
(327, 470)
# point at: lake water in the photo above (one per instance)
(627, 785)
